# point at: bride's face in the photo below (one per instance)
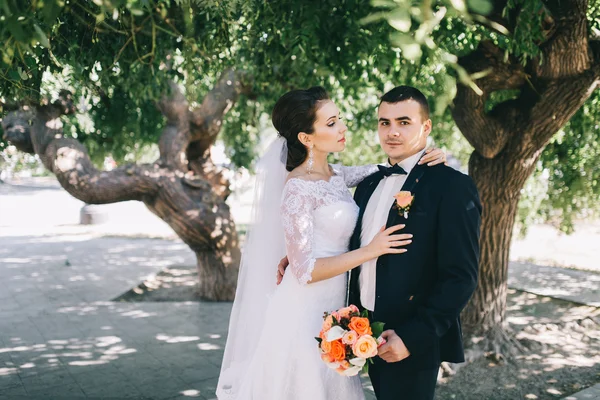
(329, 131)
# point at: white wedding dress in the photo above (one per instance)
(318, 220)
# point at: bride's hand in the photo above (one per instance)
(385, 242)
(283, 264)
(433, 156)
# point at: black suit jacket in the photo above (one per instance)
(420, 293)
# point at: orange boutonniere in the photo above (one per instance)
(404, 200)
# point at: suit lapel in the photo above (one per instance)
(364, 200)
(411, 180)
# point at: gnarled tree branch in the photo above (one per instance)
(68, 159)
(208, 118)
(558, 102)
(196, 128)
(176, 134)
(487, 132)
(565, 52)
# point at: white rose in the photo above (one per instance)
(335, 333)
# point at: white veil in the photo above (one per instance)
(264, 247)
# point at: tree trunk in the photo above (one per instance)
(500, 199)
(193, 207)
(216, 282)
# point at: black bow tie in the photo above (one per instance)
(396, 169)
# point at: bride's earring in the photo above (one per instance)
(311, 160)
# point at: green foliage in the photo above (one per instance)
(571, 162)
(117, 56)
(527, 17)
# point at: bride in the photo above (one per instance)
(302, 208)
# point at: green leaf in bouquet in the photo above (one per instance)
(377, 328)
(365, 368)
(319, 339)
(364, 313)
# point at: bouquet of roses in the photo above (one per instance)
(348, 340)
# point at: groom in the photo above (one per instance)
(418, 294)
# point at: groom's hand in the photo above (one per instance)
(394, 349)
(283, 264)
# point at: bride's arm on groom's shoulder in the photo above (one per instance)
(298, 222)
(353, 175)
(459, 220)
(433, 156)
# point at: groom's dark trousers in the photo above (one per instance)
(420, 293)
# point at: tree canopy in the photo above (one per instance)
(117, 57)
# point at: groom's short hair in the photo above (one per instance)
(404, 93)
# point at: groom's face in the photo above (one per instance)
(403, 129)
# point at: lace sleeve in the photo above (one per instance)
(354, 175)
(297, 215)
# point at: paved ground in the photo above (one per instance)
(592, 393)
(62, 338)
(561, 283)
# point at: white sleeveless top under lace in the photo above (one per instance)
(319, 218)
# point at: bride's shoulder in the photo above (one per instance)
(297, 174)
(295, 182)
(301, 184)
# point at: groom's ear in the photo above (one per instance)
(427, 126)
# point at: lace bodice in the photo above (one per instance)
(319, 217)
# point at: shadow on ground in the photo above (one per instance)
(562, 354)
(177, 283)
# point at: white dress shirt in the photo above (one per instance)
(374, 218)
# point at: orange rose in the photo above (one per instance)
(404, 199)
(338, 350)
(325, 346)
(365, 347)
(360, 326)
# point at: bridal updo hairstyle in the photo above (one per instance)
(296, 112)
